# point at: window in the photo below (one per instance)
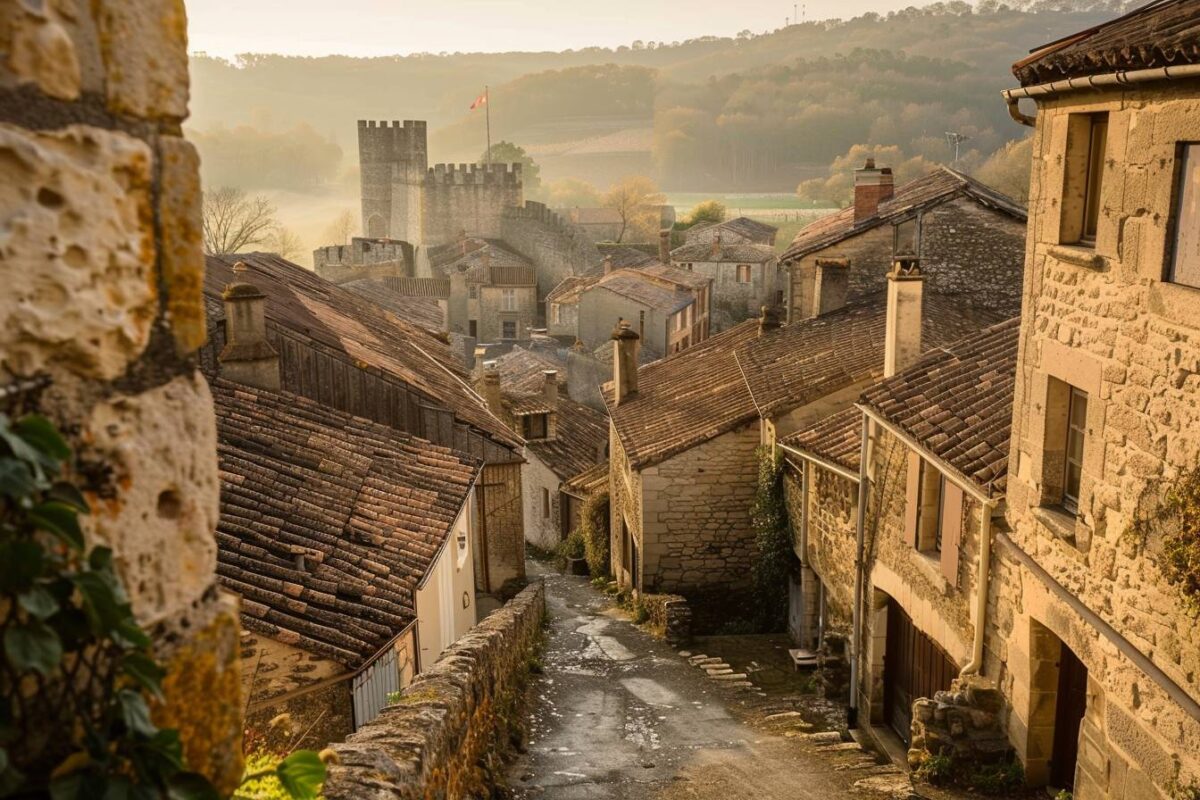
(508, 329)
(933, 515)
(929, 509)
(743, 273)
(473, 292)
(534, 426)
(556, 313)
(508, 299)
(1183, 261)
(1073, 454)
(1087, 138)
(473, 328)
(545, 503)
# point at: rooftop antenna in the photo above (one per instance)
(954, 139)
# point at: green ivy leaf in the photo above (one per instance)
(16, 479)
(21, 562)
(301, 774)
(32, 646)
(60, 520)
(38, 602)
(99, 602)
(69, 494)
(23, 450)
(145, 670)
(191, 786)
(135, 712)
(41, 434)
(119, 789)
(10, 778)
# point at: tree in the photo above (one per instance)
(509, 153)
(708, 211)
(636, 199)
(233, 221)
(1007, 169)
(570, 193)
(343, 227)
(838, 188)
(284, 243)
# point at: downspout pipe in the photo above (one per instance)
(982, 580)
(1111, 79)
(859, 566)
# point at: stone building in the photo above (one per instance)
(970, 239)
(1096, 639)
(669, 307)
(405, 198)
(562, 439)
(745, 276)
(562, 302)
(349, 544)
(100, 255)
(493, 289)
(424, 302)
(364, 258)
(685, 430)
(739, 230)
(604, 224)
(347, 353)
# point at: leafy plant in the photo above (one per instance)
(773, 547)
(298, 776)
(1063, 794)
(1001, 778)
(936, 769)
(1179, 515)
(570, 548)
(594, 530)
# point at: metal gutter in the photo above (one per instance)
(1106, 81)
(982, 581)
(820, 462)
(860, 539)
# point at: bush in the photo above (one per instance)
(773, 552)
(571, 547)
(594, 530)
(1180, 516)
(997, 778)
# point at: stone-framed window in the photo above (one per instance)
(534, 426)
(1065, 442)
(743, 273)
(473, 292)
(933, 515)
(508, 329)
(1183, 242)
(508, 299)
(1087, 139)
(545, 503)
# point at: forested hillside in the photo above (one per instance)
(749, 112)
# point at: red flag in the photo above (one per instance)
(479, 101)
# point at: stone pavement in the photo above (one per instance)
(618, 714)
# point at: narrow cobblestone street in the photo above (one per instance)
(619, 714)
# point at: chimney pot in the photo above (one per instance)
(664, 246)
(716, 245)
(625, 362)
(248, 356)
(608, 265)
(905, 298)
(550, 387)
(489, 389)
(768, 321)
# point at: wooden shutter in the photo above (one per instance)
(912, 499)
(952, 519)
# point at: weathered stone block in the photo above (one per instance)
(39, 49)
(149, 79)
(182, 257)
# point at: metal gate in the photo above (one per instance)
(914, 667)
(373, 685)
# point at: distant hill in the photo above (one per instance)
(745, 112)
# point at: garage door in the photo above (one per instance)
(913, 667)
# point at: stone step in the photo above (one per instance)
(731, 676)
(824, 737)
(784, 715)
(721, 671)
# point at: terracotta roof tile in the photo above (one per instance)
(957, 403)
(836, 438)
(582, 434)
(737, 252)
(424, 312)
(591, 480)
(366, 506)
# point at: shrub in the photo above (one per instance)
(592, 528)
(1179, 515)
(997, 778)
(570, 547)
(773, 551)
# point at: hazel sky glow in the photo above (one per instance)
(400, 27)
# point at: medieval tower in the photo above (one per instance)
(404, 198)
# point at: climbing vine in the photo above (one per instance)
(773, 546)
(1179, 518)
(592, 527)
(78, 671)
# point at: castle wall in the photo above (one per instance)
(554, 246)
(393, 158)
(363, 258)
(468, 198)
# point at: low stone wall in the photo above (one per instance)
(670, 614)
(963, 724)
(446, 736)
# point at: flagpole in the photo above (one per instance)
(487, 112)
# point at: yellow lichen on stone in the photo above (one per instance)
(203, 699)
(182, 255)
(39, 49)
(151, 79)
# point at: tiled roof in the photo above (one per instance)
(582, 433)
(642, 289)
(807, 360)
(937, 187)
(512, 276)
(731, 378)
(752, 229)
(1159, 34)
(476, 257)
(738, 252)
(438, 288)
(623, 256)
(423, 312)
(676, 275)
(592, 479)
(836, 438)
(521, 370)
(686, 399)
(313, 307)
(569, 289)
(368, 508)
(956, 402)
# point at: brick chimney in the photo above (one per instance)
(871, 187)
(247, 356)
(608, 265)
(550, 397)
(902, 340)
(664, 246)
(768, 321)
(625, 362)
(716, 245)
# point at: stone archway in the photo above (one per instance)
(376, 227)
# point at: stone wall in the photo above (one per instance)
(364, 258)
(100, 258)
(503, 524)
(490, 316)
(831, 536)
(443, 737)
(1104, 321)
(967, 250)
(964, 724)
(741, 300)
(670, 616)
(554, 246)
(536, 478)
(470, 198)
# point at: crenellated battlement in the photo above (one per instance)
(393, 141)
(464, 174)
(540, 212)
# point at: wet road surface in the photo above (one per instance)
(619, 714)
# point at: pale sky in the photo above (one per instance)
(387, 27)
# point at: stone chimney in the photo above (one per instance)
(664, 246)
(768, 321)
(716, 245)
(550, 397)
(485, 258)
(831, 284)
(608, 265)
(905, 297)
(489, 389)
(871, 187)
(247, 357)
(480, 357)
(625, 362)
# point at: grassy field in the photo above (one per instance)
(683, 201)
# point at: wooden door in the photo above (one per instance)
(1068, 716)
(913, 667)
